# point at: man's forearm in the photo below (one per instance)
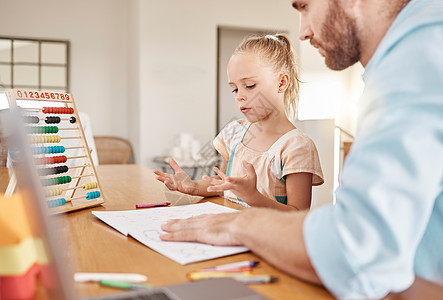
(277, 237)
(274, 235)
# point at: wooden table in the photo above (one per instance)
(92, 246)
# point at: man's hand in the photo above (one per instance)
(214, 229)
(179, 181)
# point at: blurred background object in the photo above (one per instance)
(113, 150)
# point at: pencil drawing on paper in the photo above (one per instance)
(145, 226)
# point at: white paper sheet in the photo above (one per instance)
(144, 226)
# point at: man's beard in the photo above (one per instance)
(340, 41)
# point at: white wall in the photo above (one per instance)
(98, 32)
(145, 69)
(322, 133)
(178, 63)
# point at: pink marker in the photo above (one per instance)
(152, 205)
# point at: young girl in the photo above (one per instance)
(268, 162)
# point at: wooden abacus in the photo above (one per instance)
(79, 186)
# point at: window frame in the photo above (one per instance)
(39, 64)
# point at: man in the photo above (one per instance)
(387, 225)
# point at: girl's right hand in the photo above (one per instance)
(243, 187)
(179, 181)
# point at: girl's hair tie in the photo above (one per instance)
(272, 37)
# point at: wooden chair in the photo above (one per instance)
(113, 150)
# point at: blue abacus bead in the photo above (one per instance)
(61, 201)
(37, 150)
(56, 202)
(92, 195)
(56, 149)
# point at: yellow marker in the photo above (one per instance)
(243, 277)
(198, 275)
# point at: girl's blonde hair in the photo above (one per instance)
(277, 50)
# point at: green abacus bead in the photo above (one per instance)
(64, 179)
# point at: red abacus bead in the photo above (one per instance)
(60, 159)
(58, 110)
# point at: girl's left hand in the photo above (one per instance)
(243, 187)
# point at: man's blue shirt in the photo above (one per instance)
(387, 224)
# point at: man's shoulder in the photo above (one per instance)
(425, 16)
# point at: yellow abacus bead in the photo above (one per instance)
(53, 139)
(36, 139)
(53, 192)
(90, 185)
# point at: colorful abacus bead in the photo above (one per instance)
(92, 195)
(56, 180)
(53, 192)
(43, 129)
(51, 160)
(72, 120)
(56, 202)
(48, 150)
(52, 171)
(52, 120)
(89, 186)
(59, 159)
(30, 119)
(58, 110)
(45, 139)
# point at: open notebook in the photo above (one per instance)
(144, 226)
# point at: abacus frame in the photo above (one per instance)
(48, 96)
